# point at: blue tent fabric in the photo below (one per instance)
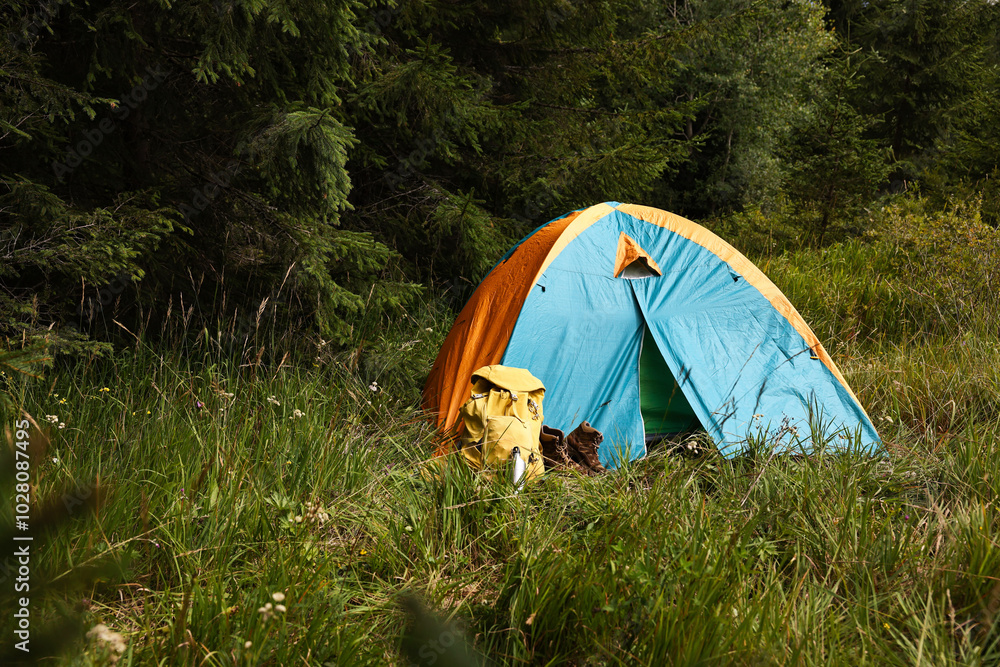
(744, 369)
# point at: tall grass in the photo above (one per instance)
(227, 478)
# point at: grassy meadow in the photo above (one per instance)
(212, 504)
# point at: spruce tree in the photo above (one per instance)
(928, 68)
(196, 149)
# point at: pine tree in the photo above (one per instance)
(199, 147)
(477, 123)
(927, 65)
(833, 169)
(754, 69)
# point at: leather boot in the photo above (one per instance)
(555, 452)
(584, 443)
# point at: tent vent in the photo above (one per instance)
(631, 261)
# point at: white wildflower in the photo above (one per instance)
(114, 641)
(273, 400)
(374, 386)
(269, 610)
(52, 419)
(298, 413)
(315, 513)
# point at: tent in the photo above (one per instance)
(642, 322)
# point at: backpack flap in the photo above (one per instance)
(505, 377)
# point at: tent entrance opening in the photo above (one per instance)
(665, 410)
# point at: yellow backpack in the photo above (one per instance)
(503, 414)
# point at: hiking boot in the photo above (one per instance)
(585, 441)
(555, 453)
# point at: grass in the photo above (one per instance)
(223, 481)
